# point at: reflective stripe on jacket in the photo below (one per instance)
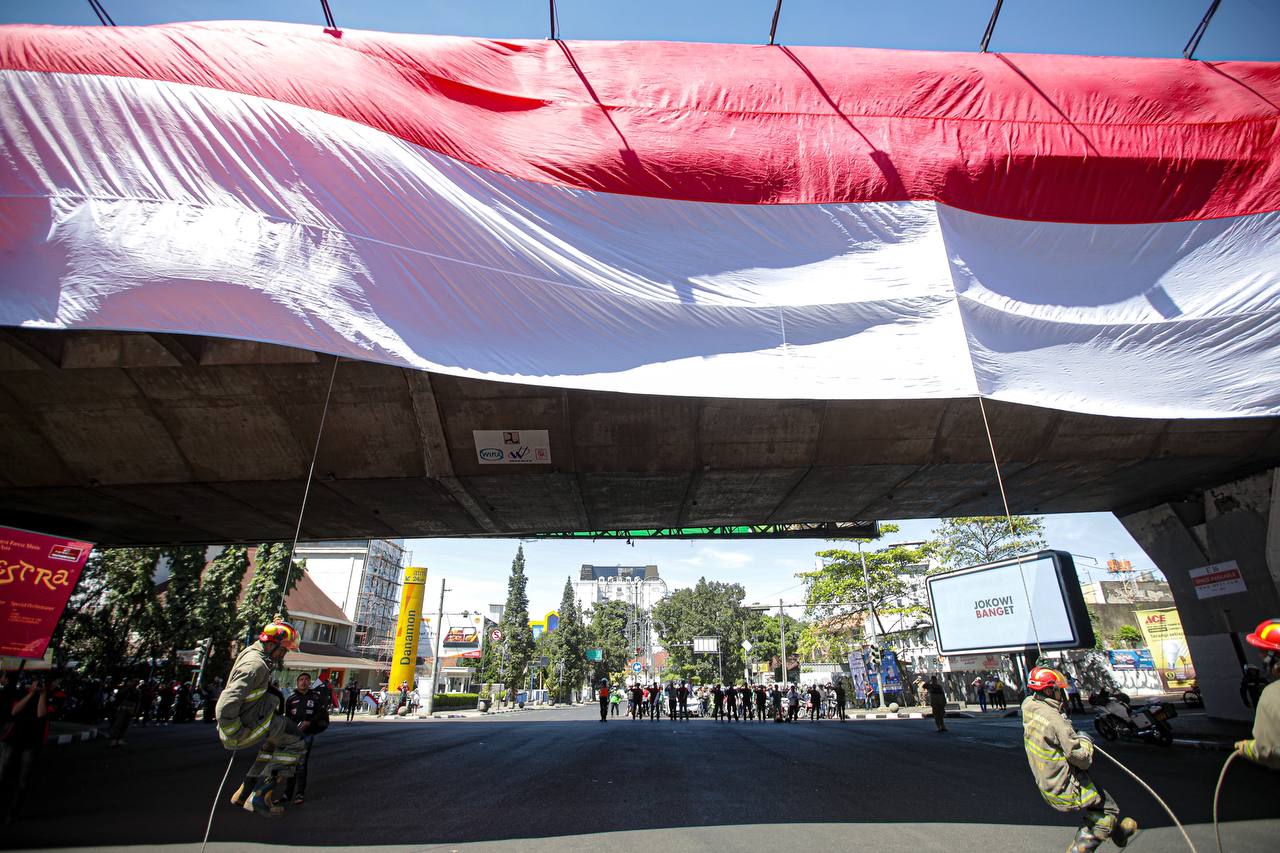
(245, 707)
(1264, 748)
(1058, 755)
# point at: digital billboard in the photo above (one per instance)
(989, 608)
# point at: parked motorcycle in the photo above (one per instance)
(1192, 698)
(1117, 719)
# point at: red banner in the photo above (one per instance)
(37, 574)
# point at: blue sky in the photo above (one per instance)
(477, 569)
(1242, 29)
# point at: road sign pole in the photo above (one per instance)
(782, 637)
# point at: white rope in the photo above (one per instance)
(1035, 629)
(306, 492)
(1152, 792)
(1217, 792)
(218, 796)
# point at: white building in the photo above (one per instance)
(638, 586)
(363, 577)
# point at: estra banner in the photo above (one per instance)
(37, 574)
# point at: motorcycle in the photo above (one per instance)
(1192, 698)
(1116, 719)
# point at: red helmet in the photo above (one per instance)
(1266, 636)
(280, 632)
(1042, 678)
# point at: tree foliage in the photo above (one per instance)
(766, 640)
(708, 609)
(839, 586)
(516, 645)
(181, 606)
(216, 611)
(979, 539)
(264, 596)
(607, 631)
(568, 648)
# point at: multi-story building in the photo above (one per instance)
(637, 586)
(363, 577)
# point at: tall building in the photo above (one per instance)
(362, 576)
(637, 586)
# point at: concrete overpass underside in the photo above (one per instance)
(138, 438)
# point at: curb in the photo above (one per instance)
(1195, 743)
(914, 715)
(64, 739)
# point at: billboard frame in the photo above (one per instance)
(1068, 586)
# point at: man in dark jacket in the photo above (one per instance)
(682, 698)
(839, 691)
(28, 709)
(353, 698)
(309, 710)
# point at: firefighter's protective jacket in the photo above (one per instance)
(1058, 755)
(1264, 748)
(245, 707)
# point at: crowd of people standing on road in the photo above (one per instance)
(680, 700)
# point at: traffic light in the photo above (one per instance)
(874, 655)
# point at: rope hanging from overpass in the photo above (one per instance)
(1004, 498)
(306, 492)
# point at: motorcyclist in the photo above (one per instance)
(1060, 758)
(1264, 746)
(247, 716)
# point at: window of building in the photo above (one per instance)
(323, 633)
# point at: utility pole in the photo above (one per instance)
(871, 619)
(435, 660)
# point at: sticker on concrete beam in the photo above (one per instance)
(1217, 579)
(512, 446)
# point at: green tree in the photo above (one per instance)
(264, 596)
(1126, 637)
(182, 629)
(216, 612)
(838, 587)
(979, 539)
(818, 642)
(607, 631)
(710, 609)
(766, 642)
(569, 648)
(86, 633)
(517, 637)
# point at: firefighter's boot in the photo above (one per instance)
(1084, 842)
(259, 801)
(1125, 832)
(242, 793)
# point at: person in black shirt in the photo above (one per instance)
(762, 699)
(839, 690)
(717, 703)
(309, 710)
(353, 699)
(637, 701)
(682, 697)
(27, 710)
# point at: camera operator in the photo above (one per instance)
(30, 707)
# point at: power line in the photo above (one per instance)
(101, 11)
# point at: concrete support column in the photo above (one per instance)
(1237, 521)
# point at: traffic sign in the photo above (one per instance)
(746, 645)
(495, 634)
(595, 654)
(636, 667)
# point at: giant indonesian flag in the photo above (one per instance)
(1092, 234)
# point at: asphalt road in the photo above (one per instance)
(563, 781)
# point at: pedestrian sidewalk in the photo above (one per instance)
(61, 734)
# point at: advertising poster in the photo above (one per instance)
(1162, 631)
(37, 574)
(1129, 660)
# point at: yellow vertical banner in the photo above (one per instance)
(1162, 632)
(404, 654)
